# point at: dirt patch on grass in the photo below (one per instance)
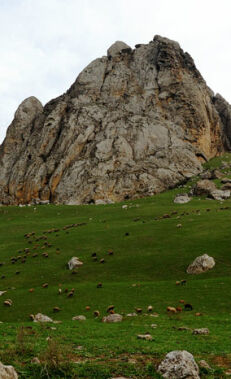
(222, 361)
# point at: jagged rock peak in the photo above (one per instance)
(134, 123)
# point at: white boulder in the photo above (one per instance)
(201, 264)
(39, 317)
(178, 365)
(182, 198)
(116, 317)
(79, 318)
(74, 262)
(7, 372)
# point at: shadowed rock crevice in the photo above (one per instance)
(134, 123)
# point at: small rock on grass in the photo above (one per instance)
(79, 318)
(146, 337)
(201, 331)
(204, 364)
(116, 317)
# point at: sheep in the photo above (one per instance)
(93, 254)
(183, 282)
(59, 291)
(149, 309)
(171, 310)
(178, 309)
(45, 285)
(99, 285)
(102, 260)
(87, 308)
(8, 302)
(56, 309)
(181, 301)
(177, 283)
(96, 313)
(138, 310)
(110, 308)
(31, 290)
(188, 307)
(70, 294)
(110, 252)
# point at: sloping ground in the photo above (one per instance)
(150, 254)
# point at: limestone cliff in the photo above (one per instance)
(134, 123)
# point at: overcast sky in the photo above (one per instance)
(44, 44)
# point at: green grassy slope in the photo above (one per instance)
(141, 272)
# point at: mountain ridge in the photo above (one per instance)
(134, 123)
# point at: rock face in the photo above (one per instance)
(201, 264)
(7, 372)
(134, 123)
(179, 364)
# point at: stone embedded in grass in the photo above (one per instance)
(201, 331)
(116, 317)
(153, 326)
(74, 262)
(35, 361)
(204, 364)
(39, 317)
(131, 314)
(7, 372)
(179, 364)
(146, 337)
(182, 198)
(79, 318)
(201, 264)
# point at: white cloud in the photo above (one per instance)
(44, 44)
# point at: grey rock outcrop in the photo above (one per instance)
(134, 123)
(201, 264)
(179, 365)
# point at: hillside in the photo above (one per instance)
(134, 123)
(150, 254)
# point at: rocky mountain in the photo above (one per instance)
(134, 123)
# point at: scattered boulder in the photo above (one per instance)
(180, 365)
(201, 264)
(7, 372)
(220, 194)
(146, 337)
(204, 187)
(182, 198)
(216, 174)
(35, 361)
(79, 318)
(204, 364)
(116, 317)
(39, 317)
(201, 331)
(206, 174)
(74, 262)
